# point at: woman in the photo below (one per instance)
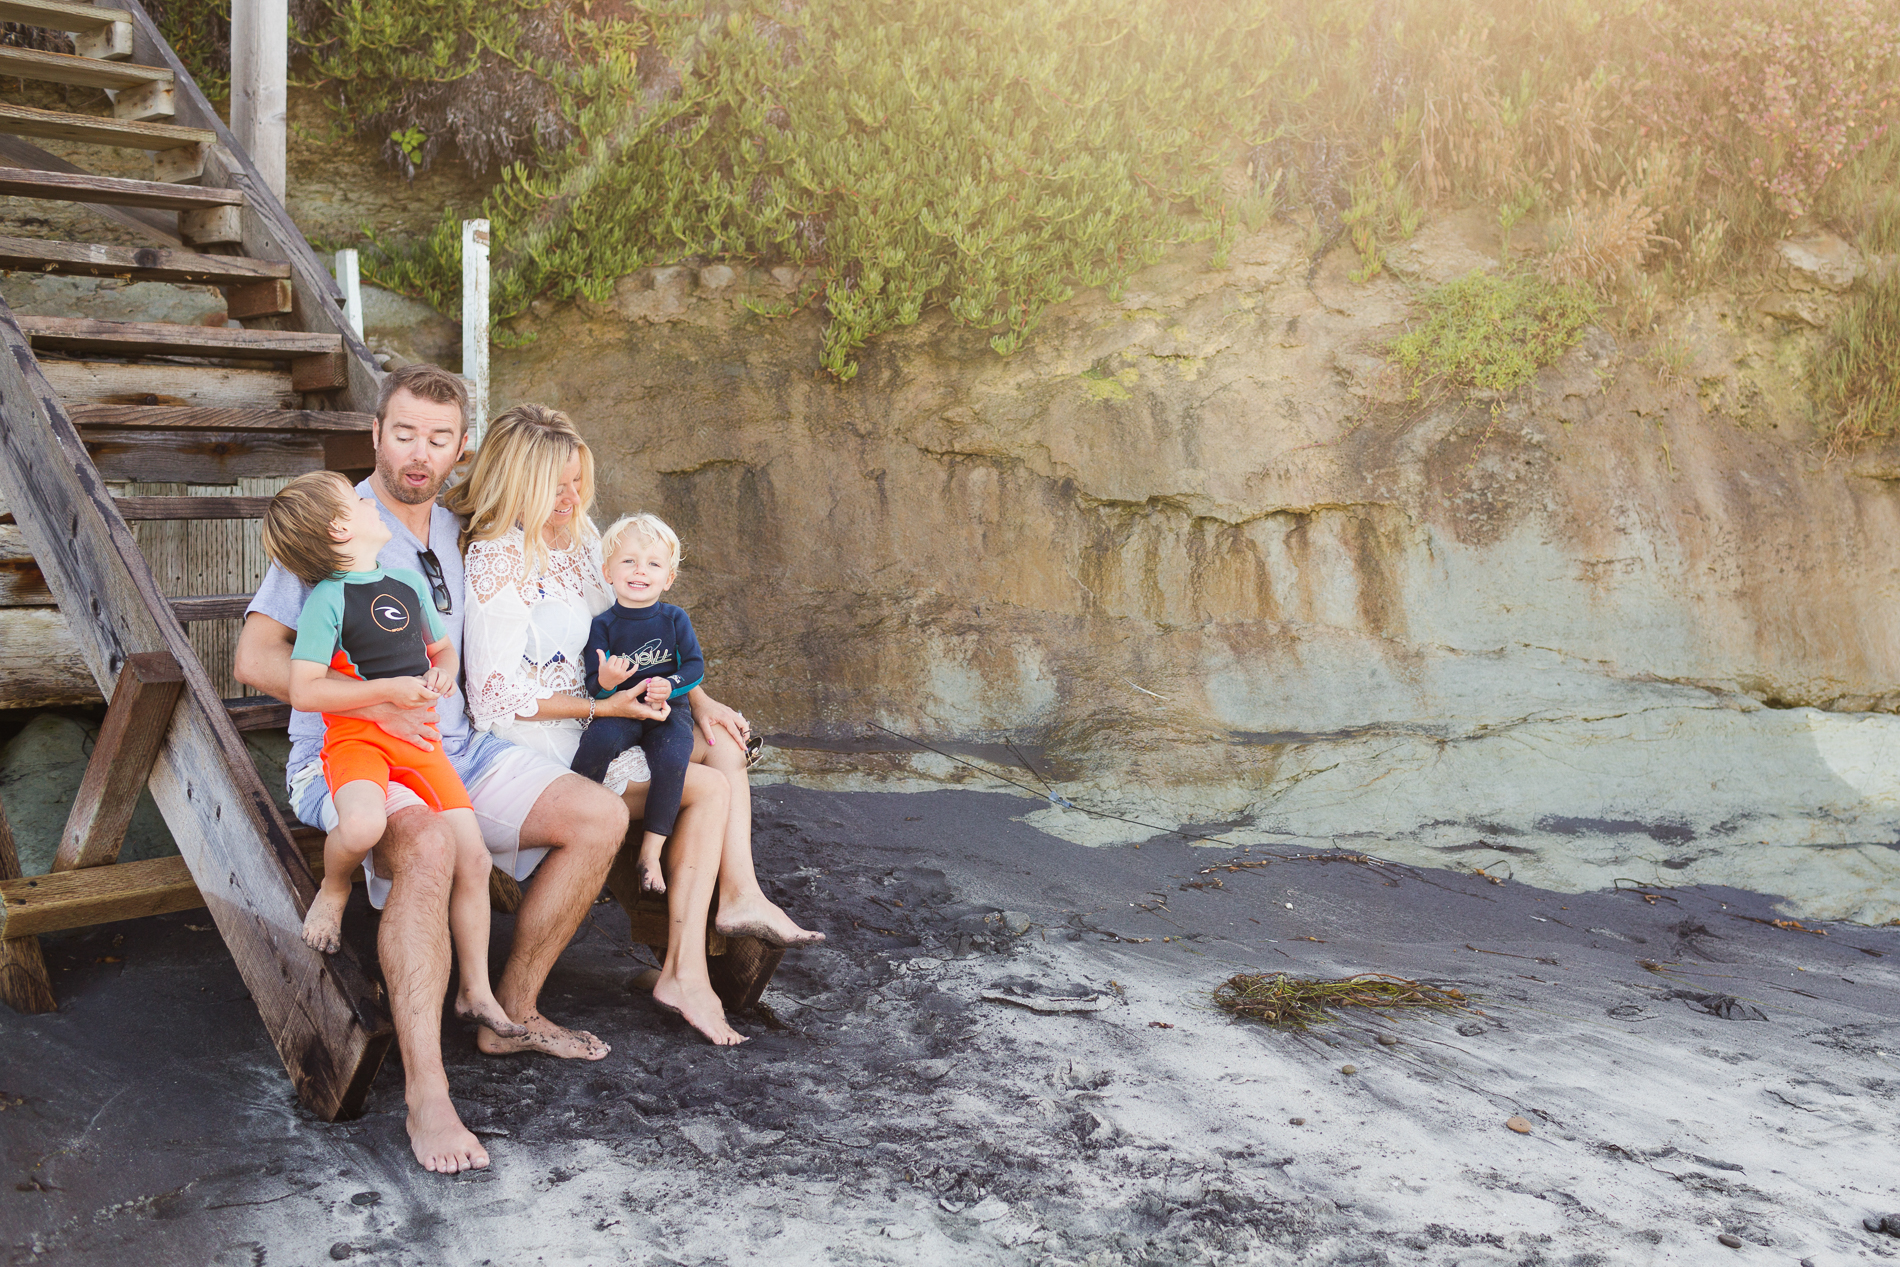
(534, 583)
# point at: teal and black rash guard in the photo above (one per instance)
(369, 625)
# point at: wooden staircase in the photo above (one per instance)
(86, 403)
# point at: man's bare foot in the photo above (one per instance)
(486, 1012)
(699, 1007)
(545, 1038)
(323, 923)
(652, 878)
(441, 1143)
(760, 917)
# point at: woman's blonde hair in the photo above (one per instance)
(515, 476)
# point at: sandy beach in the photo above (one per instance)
(1007, 1054)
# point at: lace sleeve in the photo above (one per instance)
(499, 680)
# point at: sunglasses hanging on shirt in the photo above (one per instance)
(438, 584)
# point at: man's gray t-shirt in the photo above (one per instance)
(281, 597)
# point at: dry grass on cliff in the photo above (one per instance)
(1856, 382)
(1279, 999)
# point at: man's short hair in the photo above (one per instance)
(297, 526)
(425, 382)
(647, 528)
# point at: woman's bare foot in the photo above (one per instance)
(441, 1143)
(323, 923)
(652, 878)
(486, 1012)
(546, 1038)
(758, 916)
(699, 1007)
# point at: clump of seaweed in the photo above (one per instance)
(1280, 999)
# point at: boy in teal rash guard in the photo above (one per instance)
(644, 645)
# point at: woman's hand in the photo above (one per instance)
(628, 704)
(714, 717)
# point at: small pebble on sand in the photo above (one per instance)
(1388, 1040)
(1521, 1125)
(1296, 1121)
(1730, 1239)
(898, 1232)
(1349, 1069)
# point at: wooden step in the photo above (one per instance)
(112, 384)
(190, 418)
(257, 712)
(90, 896)
(136, 263)
(97, 31)
(84, 72)
(180, 150)
(191, 507)
(154, 338)
(201, 457)
(113, 191)
(211, 607)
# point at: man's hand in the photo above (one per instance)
(411, 725)
(614, 670)
(714, 717)
(410, 692)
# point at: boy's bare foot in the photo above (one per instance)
(323, 923)
(441, 1143)
(486, 1012)
(545, 1038)
(652, 878)
(699, 1007)
(760, 917)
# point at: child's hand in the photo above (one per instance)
(410, 692)
(658, 690)
(439, 680)
(614, 670)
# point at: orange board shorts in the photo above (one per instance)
(356, 750)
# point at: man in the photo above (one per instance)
(536, 816)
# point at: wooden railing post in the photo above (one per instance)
(24, 985)
(122, 759)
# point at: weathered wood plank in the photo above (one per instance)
(157, 338)
(139, 263)
(322, 1011)
(212, 419)
(21, 584)
(200, 457)
(87, 129)
(268, 231)
(29, 163)
(121, 890)
(210, 607)
(57, 16)
(83, 72)
(29, 180)
(197, 386)
(134, 729)
(155, 100)
(260, 45)
(259, 299)
(191, 507)
(24, 985)
(40, 663)
(258, 712)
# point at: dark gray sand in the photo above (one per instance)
(900, 1116)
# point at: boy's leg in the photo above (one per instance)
(359, 824)
(604, 739)
(669, 750)
(468, 925)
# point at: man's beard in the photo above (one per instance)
(392, 482)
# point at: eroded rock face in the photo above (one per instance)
(1201, 559)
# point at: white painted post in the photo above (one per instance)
(475, 324)
(348, 281)
(260, 72)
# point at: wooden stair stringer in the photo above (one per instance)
(324, 1013)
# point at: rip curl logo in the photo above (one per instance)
(389, 613)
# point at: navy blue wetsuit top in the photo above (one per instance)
(658, 638)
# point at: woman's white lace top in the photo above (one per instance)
(523, 635)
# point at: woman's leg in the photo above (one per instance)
(744, 910)
(692, 858)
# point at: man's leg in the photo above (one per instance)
(744, 910)
(581, 824)
(417, 853)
